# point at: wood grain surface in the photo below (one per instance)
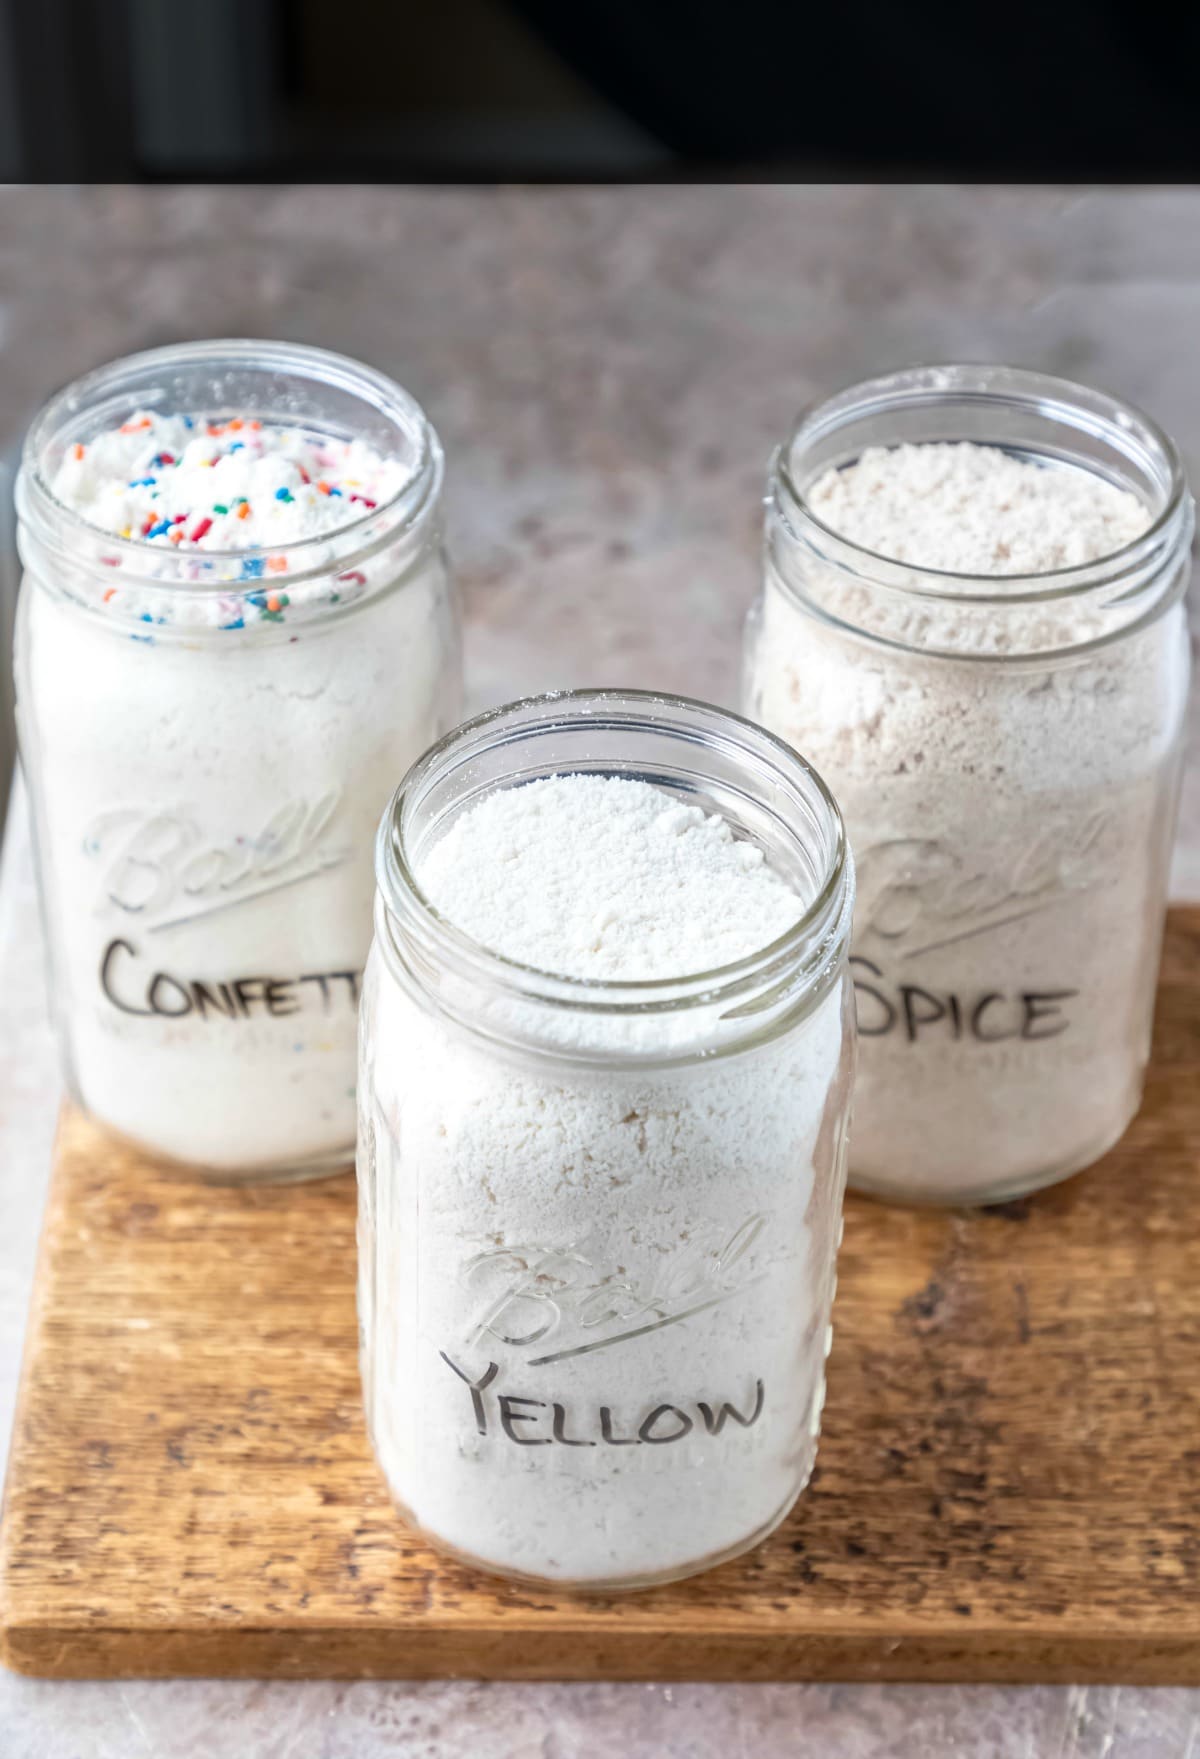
(1008, 1485)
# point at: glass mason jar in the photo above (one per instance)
(209, 739)
(1006, 751)
(598, 1221)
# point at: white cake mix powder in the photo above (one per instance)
(184, 482)
(1010, 818)
(208, 771)
(594, 1301)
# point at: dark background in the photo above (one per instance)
(485, 90)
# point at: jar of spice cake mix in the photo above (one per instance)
(235, 627)
(973, 622)
(606, 1056)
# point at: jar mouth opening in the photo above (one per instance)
(825, 911)
(1016, 388)
(84, 398)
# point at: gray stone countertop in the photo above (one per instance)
(609, 370)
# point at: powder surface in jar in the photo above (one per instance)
(192, 483)
(968, 509)
(1010, 822)
(601, 876)
(595, 1299)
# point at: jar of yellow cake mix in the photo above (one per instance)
(606, 1058)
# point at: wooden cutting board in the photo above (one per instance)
(1008, 1485)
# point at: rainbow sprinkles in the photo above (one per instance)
(193, 486)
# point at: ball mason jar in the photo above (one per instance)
(209, 739)
(1006, 751)
(598, 1221)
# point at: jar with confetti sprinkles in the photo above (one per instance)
(235, 627)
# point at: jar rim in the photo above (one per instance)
(996, 384)
(302, 360)
(824, 919)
